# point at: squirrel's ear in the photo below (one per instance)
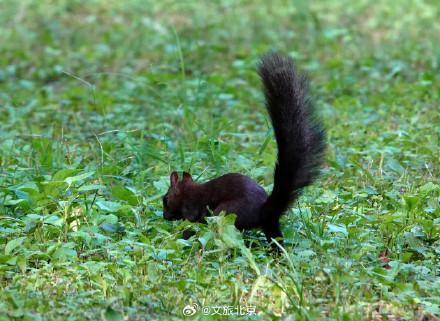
(186, 177)
(174, 178)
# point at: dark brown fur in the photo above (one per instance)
(301, 143)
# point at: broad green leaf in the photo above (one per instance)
(54, 220)
(64, 253)
(26, 186)
(13, 244)
(91, 187)
(65, 173)
(395, 166)
(77, 178)
(108, 206)
(111, 315)
(112, 228)
(205, 238)
(54, 188)
(231, 236)
(124, 194)
(337, 228)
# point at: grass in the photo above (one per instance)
(100, 100)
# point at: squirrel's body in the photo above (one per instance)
(301, 143)
(226, 193)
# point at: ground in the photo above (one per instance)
(101, 100)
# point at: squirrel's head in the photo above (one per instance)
(173, 199)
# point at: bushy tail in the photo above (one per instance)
(299, 135)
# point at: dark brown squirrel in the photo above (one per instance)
(300, 138)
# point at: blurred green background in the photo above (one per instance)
(100, 100)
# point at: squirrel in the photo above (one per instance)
(300, 138)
